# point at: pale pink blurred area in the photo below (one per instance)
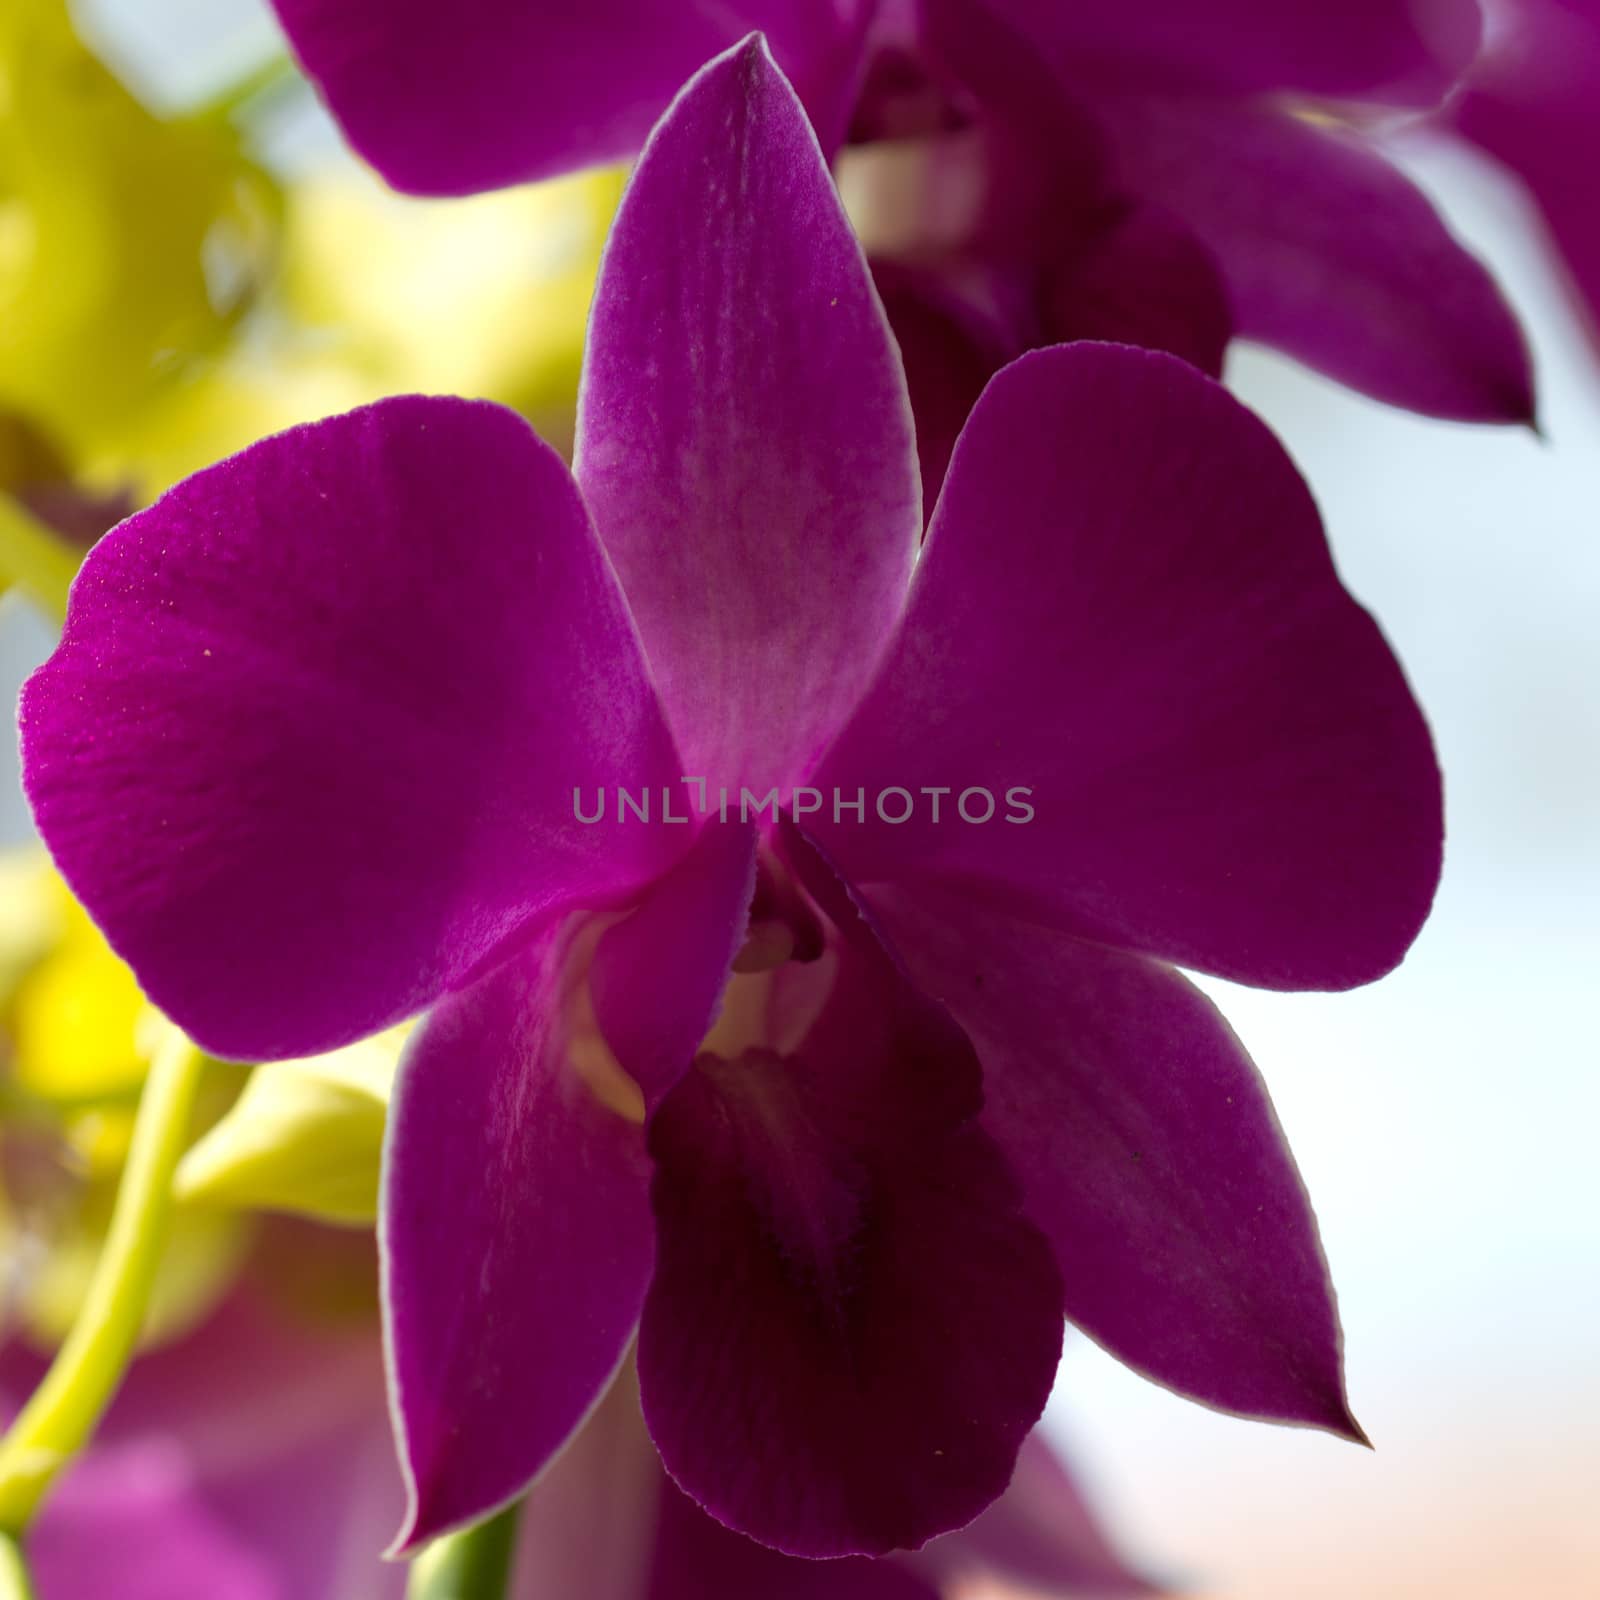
(1446, 1119)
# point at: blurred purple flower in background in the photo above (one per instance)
(1145, 172)
(308, 749)
(248, 1460)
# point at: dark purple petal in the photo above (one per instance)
(1040, 1534)
(1390, 50)
(516, 1235)
(453, 99)
(851, 1328)
(696, 1557)
(1150, 1155)
(658, 976)
(744, 436)
(1144, 279)
(1330, 254)
(308, 748)
(605, 1523)
(1226, 768)
(1534, 104)
(950, 353)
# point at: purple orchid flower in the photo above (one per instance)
(247, 1461)
(1142, 172)
(1533, 102)
(840, 1111)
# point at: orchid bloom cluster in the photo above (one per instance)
(741, 867)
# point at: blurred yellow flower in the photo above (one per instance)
(382, 294)
(129, 243)
(305, 1137)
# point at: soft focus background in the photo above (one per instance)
(1446, 1119)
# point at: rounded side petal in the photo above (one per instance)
(744, 432)
(1175, 732)
(309, 745)
(453, 99)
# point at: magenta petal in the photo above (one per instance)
(744, 436)
(1393, 50)
(1040, 1534)
(516, 1236)
(1226, 767)
(1142, 279)
(851, 1328)
(1150, 1155)
(1534, 104)
(658, 976)
(1330, 254)
(308, 747)
(449, 100)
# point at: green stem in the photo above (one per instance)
(32, 558)
(474, 1564)
(62, 1413)
(15, 1583)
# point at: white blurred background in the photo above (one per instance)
(1446, 1119)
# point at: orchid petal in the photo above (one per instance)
(451, 100)
(851, 1328)
(657, 977)
(1534, 104)
(950, 353)
(1142, 279)
(1330, 254)
(1224, 763)
(308, 747)
(696, 1556)
(744, 434)
(1040, 1535)
(1150, 1156)
(516, 1238)
(1390, 50)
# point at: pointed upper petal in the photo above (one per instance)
(744, 434)
(1150, 1156)
(1330, 253)
(516, 1237)
(454, 99)
(307, 749)
(1389, 50)
(1226, 766)
(850, 1328)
